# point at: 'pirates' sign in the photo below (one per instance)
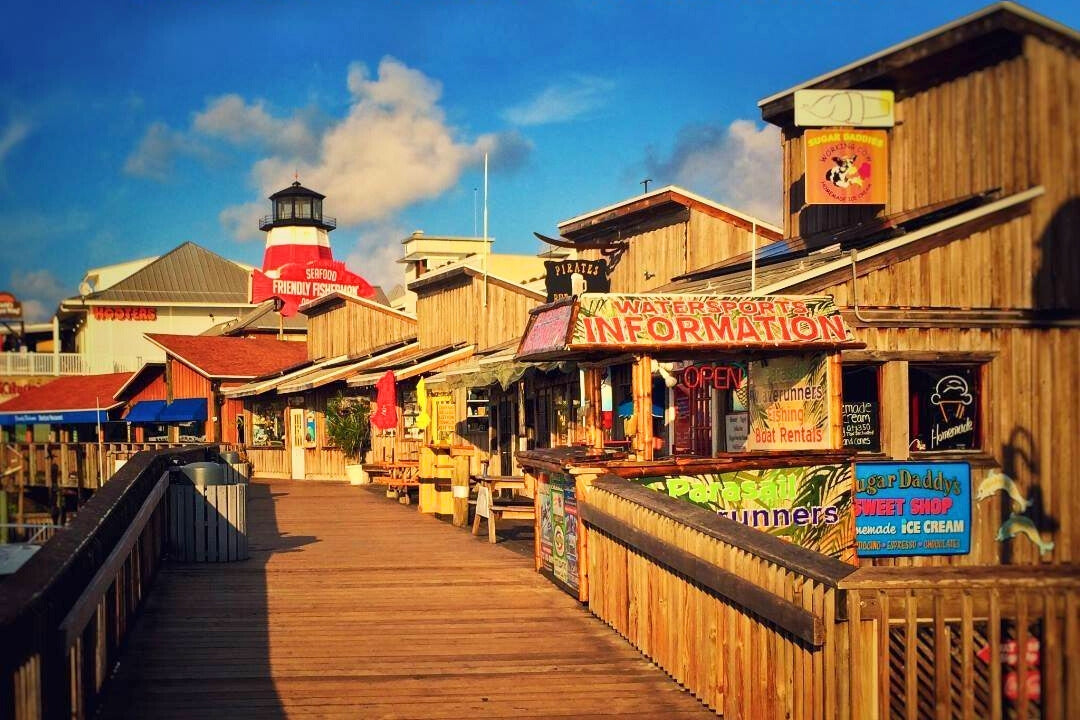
(586, 275)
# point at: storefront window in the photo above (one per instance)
(862, 408)
(268, 424)
(945, 407)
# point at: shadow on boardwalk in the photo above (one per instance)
(353, 606)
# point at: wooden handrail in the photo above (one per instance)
(822, 569)
(35, 669)
(787, 615)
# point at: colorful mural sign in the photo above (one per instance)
(697, 321)
(851, 108)
(912, 509)
(789, 404)
(559, 528)
(846, 167)
(296, 283)
(574, 277)
(809, 506)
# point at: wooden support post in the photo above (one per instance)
(459, 482)
(836, 401)
(594, 430)
(641, 386)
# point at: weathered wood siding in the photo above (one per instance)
(1031, 402)
(689, 241)
(345, 327)
(947, 144)
(455, 313)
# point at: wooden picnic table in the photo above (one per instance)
(491, 503)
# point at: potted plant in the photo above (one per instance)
(348, 426)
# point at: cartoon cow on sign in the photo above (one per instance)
(845, 173)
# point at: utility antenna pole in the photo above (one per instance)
(646, 182)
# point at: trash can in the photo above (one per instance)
(236, 463)
(207, 513)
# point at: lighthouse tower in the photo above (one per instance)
(297, 264)
(297, 232)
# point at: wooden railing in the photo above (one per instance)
(69, 465)
(758, 628)
(743, 620)
(962, 642)
(64, 614)
(14, 364)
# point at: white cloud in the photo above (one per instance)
(562, 101)
(241, 123)
(242, 221)
(39, 292)
(158, 149)
(392, 149)
(374, 255)
(738, 165)
(15, 132)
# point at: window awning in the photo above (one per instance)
(54, 417)
(183, 410)
(414, 365)
(145, 411)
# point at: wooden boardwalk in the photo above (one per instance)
(353, 606)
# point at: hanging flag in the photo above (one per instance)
(422, 419)
(385, 417)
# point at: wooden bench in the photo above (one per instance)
(491, 506)
(398, 477)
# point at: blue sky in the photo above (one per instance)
(127, 128)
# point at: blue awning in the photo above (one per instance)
(54, 417)
(183, 410)
(145, 411)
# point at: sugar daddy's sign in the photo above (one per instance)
(574, 277)
(912, 509)
(846, 166)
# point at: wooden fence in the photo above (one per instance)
(65, 613)
(962, 642)
(67, 465)
(758, 628)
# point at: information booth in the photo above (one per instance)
(735, 407)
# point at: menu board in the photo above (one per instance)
(862, 425)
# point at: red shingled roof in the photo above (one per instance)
(74, 392)
(233, 357)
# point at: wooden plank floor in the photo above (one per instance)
(354, 606)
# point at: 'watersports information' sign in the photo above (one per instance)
(701, 321)
(912, 509)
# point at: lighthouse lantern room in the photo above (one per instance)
(297, 229)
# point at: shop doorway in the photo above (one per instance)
(296, 442)
(505, 422)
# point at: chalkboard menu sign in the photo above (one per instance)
(862, 426)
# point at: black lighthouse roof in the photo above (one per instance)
(297, 205)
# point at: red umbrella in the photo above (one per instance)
(385, 417)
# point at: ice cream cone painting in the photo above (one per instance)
(846, 167)
(952, 397)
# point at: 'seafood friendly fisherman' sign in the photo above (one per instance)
(651, 321)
